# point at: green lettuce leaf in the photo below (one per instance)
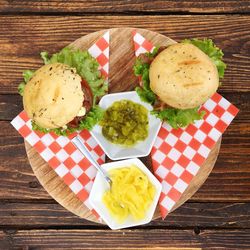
(179, 117)
(209, 48)
(142, 69)
(27, 74)
(90, 120)
(152, 54)
(21, 87)
(86, 66)
(146, 95)
(45, 56)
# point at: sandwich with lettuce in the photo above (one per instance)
(62, 95)
(176, 80)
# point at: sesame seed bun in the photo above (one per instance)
(53, 96)
(183, 76)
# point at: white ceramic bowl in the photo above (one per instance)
(142, 148)
(100, 186)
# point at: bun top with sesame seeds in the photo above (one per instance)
(53, 96)
(183, 76)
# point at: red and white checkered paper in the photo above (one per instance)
(178, 154)
(60, 153)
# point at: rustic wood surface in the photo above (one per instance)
(49, 214)
(127, 239)
(216, 217)
(120, 79)
(230, 32)
(138, 6)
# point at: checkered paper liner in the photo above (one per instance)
(60, 153)
(178, 154)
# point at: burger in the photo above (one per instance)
(179, 78)
(61, 96)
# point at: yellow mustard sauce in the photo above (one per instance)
(131, 193)
(125, 123)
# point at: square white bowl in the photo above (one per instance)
(100, 186)
(116, 151)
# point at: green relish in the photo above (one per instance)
(125, 123)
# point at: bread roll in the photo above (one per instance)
(53, 96)
(183, 76)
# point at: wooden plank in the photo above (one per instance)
(125, 239)
(22, 38)
(11, 105)
(141, 6)
(229, 180)
(17, 178)
(204, 215)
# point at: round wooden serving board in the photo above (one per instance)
(121, 78)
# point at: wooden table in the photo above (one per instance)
(217, 216)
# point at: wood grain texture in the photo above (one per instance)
(140, 6)
(22, 39)
(204, 215)
(28, 27)
(229, 180)
(120, 78)
(125, 239)
(17, 179)
(10, 106)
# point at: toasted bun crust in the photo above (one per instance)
(53, 96)
(183, 76)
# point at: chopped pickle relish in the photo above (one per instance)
(125, 123)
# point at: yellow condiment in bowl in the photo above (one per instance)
(131, 193)
(132, 197)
